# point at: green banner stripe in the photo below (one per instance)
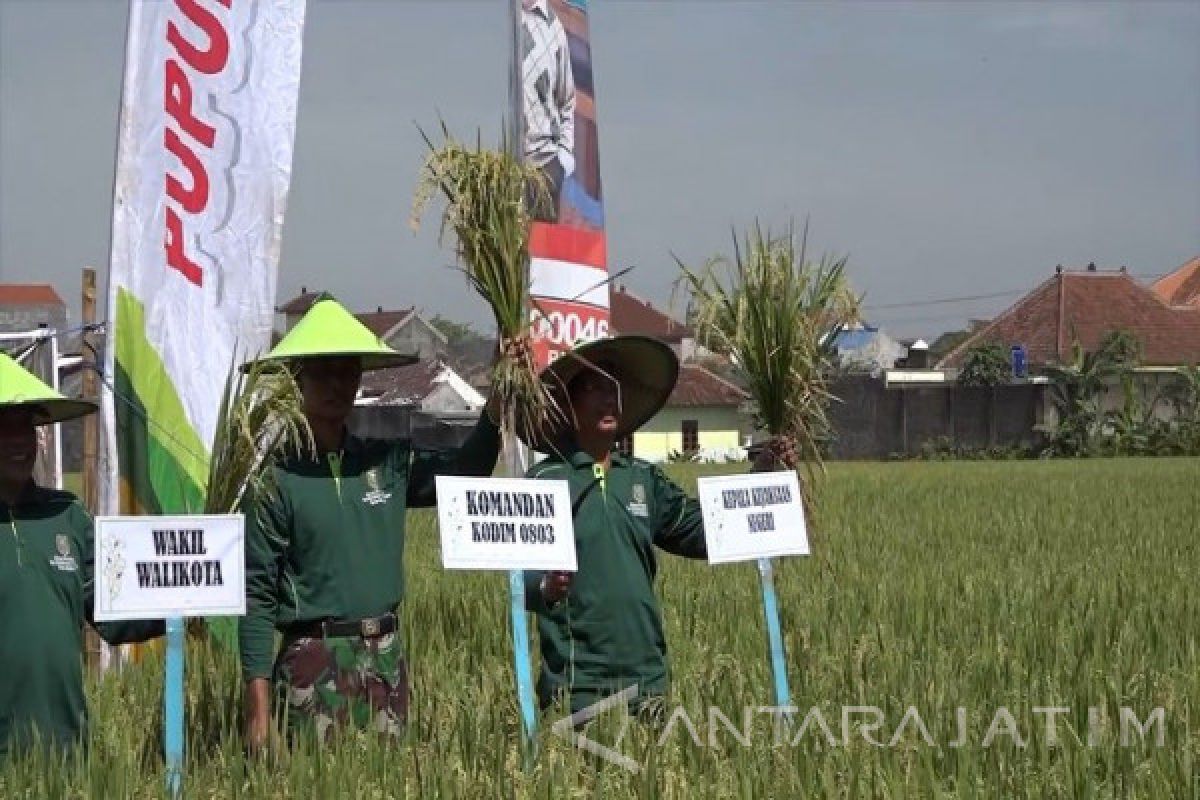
(152, 423)
(158, 482)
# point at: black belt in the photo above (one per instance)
(367, 628)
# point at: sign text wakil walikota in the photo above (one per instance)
(163, 567)
(194, 570)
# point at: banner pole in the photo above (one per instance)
(173, 702)
(766, 573)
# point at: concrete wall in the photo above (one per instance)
(874, 422)
(29, 317)
(722, 431)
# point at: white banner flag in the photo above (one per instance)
(208, 116)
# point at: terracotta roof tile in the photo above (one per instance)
(1181, 287)
(1088, 306)
(698, 386)
(380, 321)
(407, 385)
(629, 314)
(299, 304)
(29, 294)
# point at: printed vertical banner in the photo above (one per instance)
(555, 114)
(207, 124)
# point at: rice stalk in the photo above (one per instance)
(775, 314)
(487, 195)
(261, 418)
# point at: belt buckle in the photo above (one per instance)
(371, 627)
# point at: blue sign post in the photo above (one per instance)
(520, 625)
(766, 572)
(173, 742)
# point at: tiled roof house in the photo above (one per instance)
(1086, 305)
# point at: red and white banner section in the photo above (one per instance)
(568, 273)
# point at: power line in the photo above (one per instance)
(988, 296)
(945, 300)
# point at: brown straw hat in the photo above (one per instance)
(644, 368)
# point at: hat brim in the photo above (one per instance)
(645, 369)
(371, 360)
(53, 409)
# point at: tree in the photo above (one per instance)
(1077, 389)
(456, 333)
(985, 365)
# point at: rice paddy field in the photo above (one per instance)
(955, 598)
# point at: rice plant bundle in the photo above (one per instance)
(261, 418)
(775, 314)
(488, 193)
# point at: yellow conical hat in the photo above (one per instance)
(20, 388)
(328, 329)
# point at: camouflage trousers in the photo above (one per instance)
(322, 684)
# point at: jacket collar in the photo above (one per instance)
(579, 459)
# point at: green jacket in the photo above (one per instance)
(608, 633)
(329, 541)
(46, 574)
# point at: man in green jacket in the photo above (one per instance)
(325, 550)
(46, 578)
(601, 629)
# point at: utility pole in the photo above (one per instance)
(95, 650)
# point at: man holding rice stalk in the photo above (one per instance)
(46, 577)
(601, 630)
(325, 546)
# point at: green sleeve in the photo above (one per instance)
(679, 525)
(535, 601)
(268, 520)
(476, 457)
(117, 632)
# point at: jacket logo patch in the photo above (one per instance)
(64, 561)
(637, 503)
(374, 495)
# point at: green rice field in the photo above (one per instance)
(955, 598)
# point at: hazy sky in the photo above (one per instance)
(949, 149)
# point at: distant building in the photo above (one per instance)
(1181, 287)
(705, 415)
(867, 349)
(297, 307)
(631, 315)
(26, 306)
(1088, 305)
(429, 386)
(406, 330)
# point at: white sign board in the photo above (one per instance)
(161, 567)
(505, 524)
(747, 517)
